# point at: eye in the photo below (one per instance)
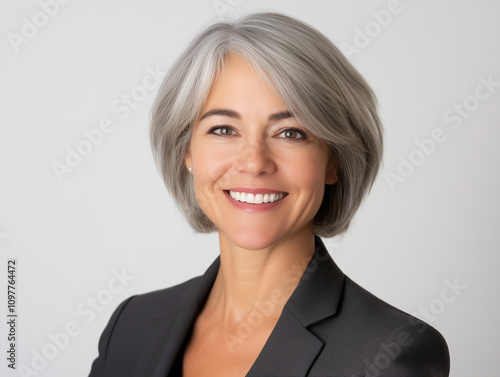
(292, 134)
(221, 131)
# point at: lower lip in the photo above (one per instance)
(253, 207)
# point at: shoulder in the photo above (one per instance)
(394, 343)
(363, 335)
(134, 322)
(158, 302)
(140, 312)
(165, 302)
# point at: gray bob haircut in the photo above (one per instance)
(323, 91)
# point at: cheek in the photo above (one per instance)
(308, 168)
(207, 161)
(210, 172)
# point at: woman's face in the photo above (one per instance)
(258, 174)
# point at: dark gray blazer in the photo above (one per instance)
(330, 326)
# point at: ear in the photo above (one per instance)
(187, 158)
(331, 176)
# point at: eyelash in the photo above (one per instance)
(303, 136)
(212, 130)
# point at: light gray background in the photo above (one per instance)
(112, 212)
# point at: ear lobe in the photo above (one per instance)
(187, 158)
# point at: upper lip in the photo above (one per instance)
(255, 191)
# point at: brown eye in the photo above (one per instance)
(222, 131)
(292, 134)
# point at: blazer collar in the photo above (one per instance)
(318, 294)
(290, 349)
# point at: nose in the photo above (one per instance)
(254, 158)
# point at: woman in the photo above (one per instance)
(265, 133)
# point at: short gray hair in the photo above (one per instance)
(323, 91)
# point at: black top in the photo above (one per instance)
(176, 370)
(330, 326)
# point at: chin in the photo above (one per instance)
(252, 240)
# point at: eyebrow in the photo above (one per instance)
(233, 114)
(280, 115)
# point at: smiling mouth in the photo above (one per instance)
(245, 197)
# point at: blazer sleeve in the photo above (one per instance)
(414, 349)
(99, 365)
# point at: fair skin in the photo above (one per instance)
(246, 141)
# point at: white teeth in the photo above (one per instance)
(257, 198)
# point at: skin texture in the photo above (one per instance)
(254, 143)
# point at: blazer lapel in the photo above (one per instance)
(168, 332)
(291, 348)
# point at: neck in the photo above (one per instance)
(262, 280)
